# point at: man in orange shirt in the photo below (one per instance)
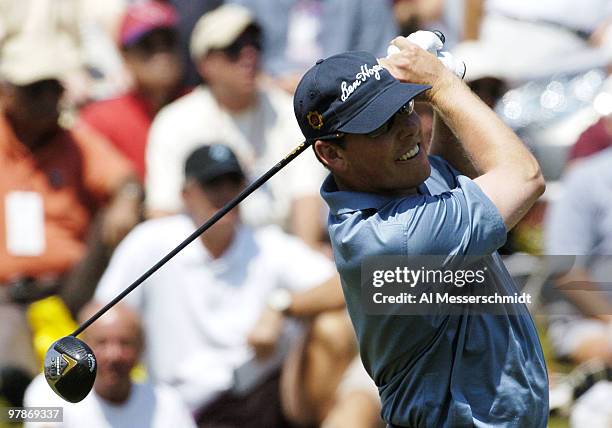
(53, 182)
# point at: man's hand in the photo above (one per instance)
(122, 213)
(266, 333)
(415, 65)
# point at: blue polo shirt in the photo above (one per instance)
(439, 371)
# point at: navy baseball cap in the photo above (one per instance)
(349, 93)
(209, 162)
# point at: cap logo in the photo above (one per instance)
(364, 74)
(315, 119)
(219, 153)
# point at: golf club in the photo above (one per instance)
(70, 365)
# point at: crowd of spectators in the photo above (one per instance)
(125, 124)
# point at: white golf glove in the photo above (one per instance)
(433, 42)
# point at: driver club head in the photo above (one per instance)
(70, 368)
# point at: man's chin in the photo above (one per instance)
(110, 381)
(426, 171)
(248, 85)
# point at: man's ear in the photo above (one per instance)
(6, 93)
(187, 193)
(204, 65)
(331, 155)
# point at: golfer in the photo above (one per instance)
(390, 193)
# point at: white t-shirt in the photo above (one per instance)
(260, 137)
(197, 311)
(147, 407)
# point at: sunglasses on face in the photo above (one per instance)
(407, 109)
(249, 38)
(231, 178)
(41, 88)
(162, 40)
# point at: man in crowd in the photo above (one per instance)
(52, 183)
(579, 227)
(231, 107)
(117, 341)
(148, 42)
(228, 303)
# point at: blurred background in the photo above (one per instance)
(102, 103)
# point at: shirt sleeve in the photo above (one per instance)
(172, 410)
(300, 267)
(462, 221)
(164, 166)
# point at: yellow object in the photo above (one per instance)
(139, 373)
(49, 320)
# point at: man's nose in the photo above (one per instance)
(249, 53)
(112, 351)
(409, 126)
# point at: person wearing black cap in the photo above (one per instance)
(391, 194)
(225, 301)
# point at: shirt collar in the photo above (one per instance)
(345, 201)
(233, 254)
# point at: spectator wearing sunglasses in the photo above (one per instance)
(148, 41)
(234, 108)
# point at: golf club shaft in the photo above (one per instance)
(228, 207)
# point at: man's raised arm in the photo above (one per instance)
(507, 172)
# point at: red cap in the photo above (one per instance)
(142, 18)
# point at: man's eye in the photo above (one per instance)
(383, 129)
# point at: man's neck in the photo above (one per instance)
(155, 99)
(217, 240)
(232, 102)
(394, 193)
(118, 396)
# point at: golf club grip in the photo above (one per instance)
(211, 221)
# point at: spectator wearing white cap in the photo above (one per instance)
(231, 107)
